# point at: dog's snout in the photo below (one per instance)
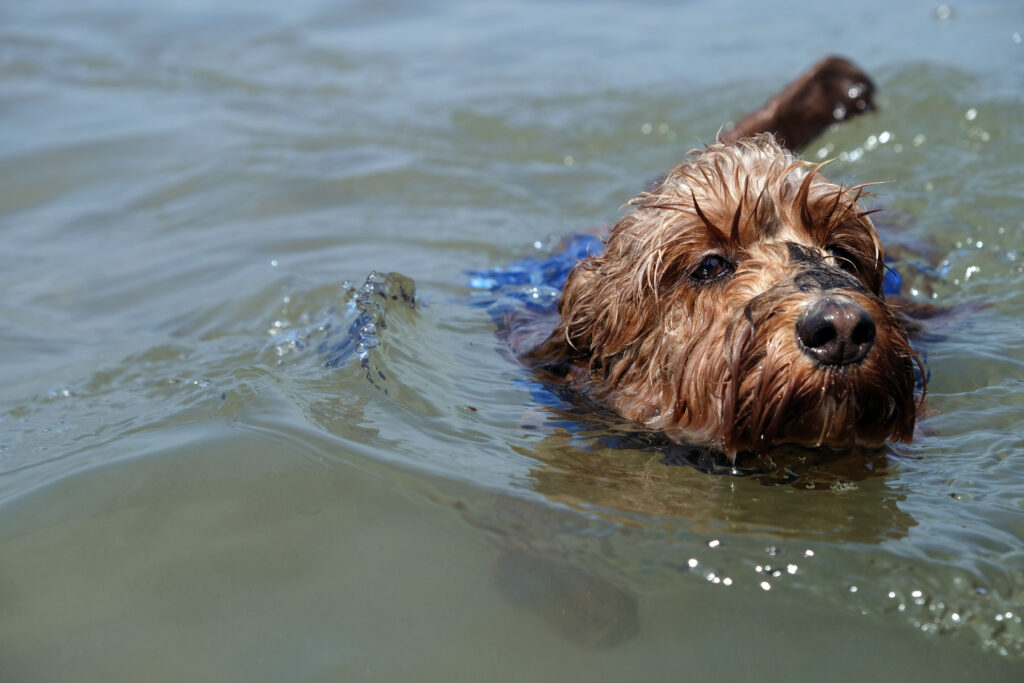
(836, 332)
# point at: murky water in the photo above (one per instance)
(200, 478)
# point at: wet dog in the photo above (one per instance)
(739, 305)
(739, 308)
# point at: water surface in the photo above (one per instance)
(192, 196)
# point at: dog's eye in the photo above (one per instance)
(844, 259)
(711, 268)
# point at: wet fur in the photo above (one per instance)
(718, 363)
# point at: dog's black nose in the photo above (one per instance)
(836, 332)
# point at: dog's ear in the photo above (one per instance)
(571, 340)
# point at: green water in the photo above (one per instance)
(188, 194)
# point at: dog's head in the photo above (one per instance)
(739, 305)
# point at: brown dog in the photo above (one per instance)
(739, 305)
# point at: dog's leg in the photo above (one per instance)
(831, 91)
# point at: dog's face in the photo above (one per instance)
(739, 305)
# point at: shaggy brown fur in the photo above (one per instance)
(739, 306)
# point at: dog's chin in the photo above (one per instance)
(862, 418)
(853, 409)
(854, 417)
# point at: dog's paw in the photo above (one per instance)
(837, 90)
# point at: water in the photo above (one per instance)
(188, 493)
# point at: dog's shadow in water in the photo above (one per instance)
(547, 562)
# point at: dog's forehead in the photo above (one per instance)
(748, 197)
(740, 221)
(796, 237)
